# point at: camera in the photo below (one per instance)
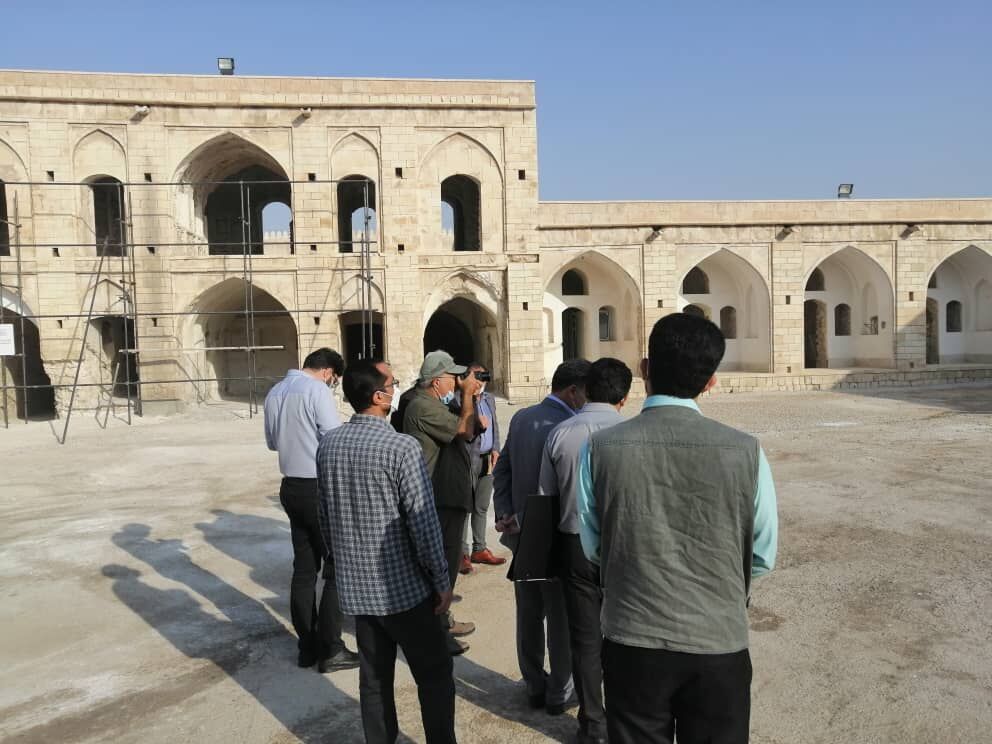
(479, 375)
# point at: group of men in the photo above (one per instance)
(662, 521)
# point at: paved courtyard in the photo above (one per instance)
(144, 576)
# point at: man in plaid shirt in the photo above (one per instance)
(377, 514)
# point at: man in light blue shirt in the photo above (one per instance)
(679, 512)
(299, 410)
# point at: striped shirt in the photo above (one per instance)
(377, 513)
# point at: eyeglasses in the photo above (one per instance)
(392, 385)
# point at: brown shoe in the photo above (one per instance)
(466, 565)
(486, 556)
(459, 629)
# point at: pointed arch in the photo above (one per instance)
(961, 300)
(12, 166)
(98, 153)
(467, 142)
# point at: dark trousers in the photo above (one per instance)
(653, 695)
(452, 528)
(583, 601)
(319, 630)
(419, 634)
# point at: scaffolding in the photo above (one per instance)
(119, 243)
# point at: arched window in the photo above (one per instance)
(695, 310)
(728, 322)
(606, 324)
(696, 282)
(354, 193)
(842, 320)
(277, 226)
(573, 283)
(4, 227)
(815, 283)
(954, 317)
(108, 216)
(463, 197)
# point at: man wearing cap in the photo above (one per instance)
(442, 436)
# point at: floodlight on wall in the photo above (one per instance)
(225, 65)
(786, 231)
(910, 230)
(306, 112)
(845, 190)
(140, 112)
(655, 232)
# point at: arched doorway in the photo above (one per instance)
(24, 372)
(959, 299)
(727, 289)
(467, 331)
(223, 330)
(815, 334)
(859, 304)
(572, 331)
(593, 305)
(110, 339)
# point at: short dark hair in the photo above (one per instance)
(479, 365)
(361, 381)
(683, 353)
(325, 359)
(572, 372)
(609, 381)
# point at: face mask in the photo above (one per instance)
(447, 397)
(394, 403)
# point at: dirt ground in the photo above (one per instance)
(144, 577)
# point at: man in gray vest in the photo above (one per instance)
(679, 512)
(515, 478)
(606, 392)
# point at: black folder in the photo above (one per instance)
(536, 556)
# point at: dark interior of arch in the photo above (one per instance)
(446, 331)
(352, 199)
(573, 283)
(4, 227)
(114, 333)
(816, 283)
(462, 194)
(26, 400)
(109, 214)
(361, 334)
(243, 194)
(696, 282)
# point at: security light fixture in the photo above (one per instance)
(786, 231)
(140, 112)
(910, 230)
(225, 65)
(306, 112)
(655, 232)
(845, 190)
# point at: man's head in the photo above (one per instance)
(326, 365)
(683, 354)
(369, 387)
(608, 381)
(439, 375)
(569, 382)
(475, 368)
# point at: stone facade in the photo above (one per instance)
(515, 282)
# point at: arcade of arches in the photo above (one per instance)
(469, 332)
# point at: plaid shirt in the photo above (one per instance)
(377, 513)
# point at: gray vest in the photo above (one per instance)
(675, 495)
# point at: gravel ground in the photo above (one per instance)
(144, 576)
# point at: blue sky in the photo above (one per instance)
(653, 100)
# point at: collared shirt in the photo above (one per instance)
(486, 438)
(299, 410)
(377, 513)
(555, 399)
(560, 464)
(765, 509)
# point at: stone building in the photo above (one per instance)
(135, 258)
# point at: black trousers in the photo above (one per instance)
(583, 601)
(319, 629)
(452, 529)
(419, 634)
(653, 695)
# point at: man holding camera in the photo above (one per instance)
(443, 436)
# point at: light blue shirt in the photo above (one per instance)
(299, 410)
(765, 508)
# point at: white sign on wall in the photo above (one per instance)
(7, 339)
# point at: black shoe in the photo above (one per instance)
(556, 709)
(343, 659)
(306, 659)
(536, 701)
(456, 647)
